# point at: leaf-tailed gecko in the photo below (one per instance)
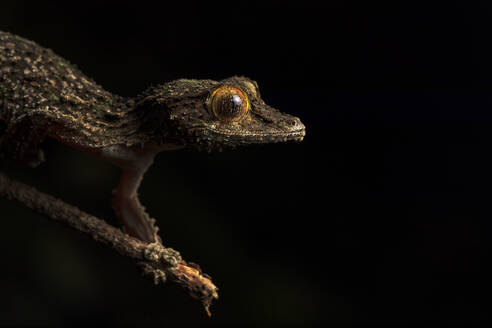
(42, 95)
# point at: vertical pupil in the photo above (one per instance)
(230, 105)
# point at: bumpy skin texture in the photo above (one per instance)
(179, 110)
(36, 82)
(42, 95)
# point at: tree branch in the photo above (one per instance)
(156, 261)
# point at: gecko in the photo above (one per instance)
(44, 96)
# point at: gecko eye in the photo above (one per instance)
(229, 104)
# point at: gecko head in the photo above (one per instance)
(211, 115)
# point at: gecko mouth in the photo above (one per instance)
(211, 138)
(258, 128)
(262, 137)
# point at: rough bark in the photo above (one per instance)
(156, 261)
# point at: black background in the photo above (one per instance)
(380, 215)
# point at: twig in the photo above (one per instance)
(154, 259)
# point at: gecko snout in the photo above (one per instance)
(295, 127)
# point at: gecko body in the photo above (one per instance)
(44, 96)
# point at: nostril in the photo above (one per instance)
(296, 123)
(292, 123)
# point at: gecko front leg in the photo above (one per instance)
(134, 162)
(128, 209)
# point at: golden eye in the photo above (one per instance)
(229, 104)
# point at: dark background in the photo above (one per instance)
(380, 215)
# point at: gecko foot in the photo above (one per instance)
(155, 252)
(156, 274)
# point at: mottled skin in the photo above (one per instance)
(42, 95)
